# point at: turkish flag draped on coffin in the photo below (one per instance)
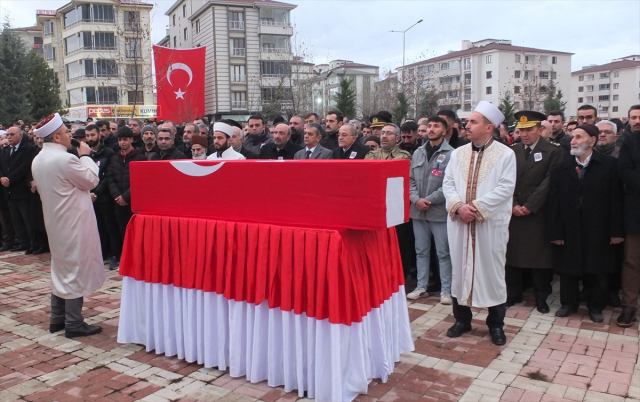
(180, 83)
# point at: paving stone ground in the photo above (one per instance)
(545, 359)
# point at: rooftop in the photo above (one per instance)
(616, 65)
(27, 29)
(236, 2)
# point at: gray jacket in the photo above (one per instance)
(428, 186)
(319, 152)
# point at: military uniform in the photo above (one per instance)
(394, 153)
(528, 246)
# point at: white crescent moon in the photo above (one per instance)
(193, 169)
(179, 66)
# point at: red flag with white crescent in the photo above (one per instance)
(179, 83)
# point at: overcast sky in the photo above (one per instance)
(358, 30)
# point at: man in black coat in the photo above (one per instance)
(167, 150)
(558, 136)
(528, 247)
(348, 146)
(282, 147)
(107, 137)
(102, 201)
(629, 168)
(584, 221)
(333, 123)
(118, 177)
(16, 169)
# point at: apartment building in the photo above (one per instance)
(32, 38)
(612, 88)
(327, 84)
(486, 70)
(249, 56)
(101, 53)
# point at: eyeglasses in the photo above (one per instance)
(388, 132)
(585, 117)
(606, 132)
(164, 138)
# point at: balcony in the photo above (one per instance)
(236, 25)
(467, 82)
(92, 21)
(269, 27)
(239, 104)
(238, 52)
(47, 34)
(93, 47)
(271, 49)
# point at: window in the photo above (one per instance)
(135, 97)
(543, 89)
(274, 68)
(581, 78)
(580, 89)
(516, 105)
(238, 74)
(133, 73)
(467, 107)
(74, 70)
(603, 98)
(237, 47)
(487, 59)
(236, 20)
(488, 91)
(516, 74)
(101, 96)
(131, 21)
(103, 13)
(239, 100)
(274, 16)
(133, 48)
(529, 59)
(615, 109)
(197, 26)
(544, 60)
(467, 94)
(444, 66)
(615, 97)
(554, 60)
(104, 40)
(616, 85)
(174, 20)
(604, 76)
(528, 74)
(589, 99)
(488, 74)
(105, 68)
(516, 89)
(450, 79)
(185, 34)
(616, 74)
(274, 43)
(553, 75)
(544, 75)
(175, 42)
(184, 10)
(454, 65)
(467, 64)
(517, 58)
(604, 87)
(49, 52)
(48, 28)
(431, 68)
(467, 79)
(590, 77)
(605, 108)
(589, 88)
(76, 15)
(580, 100)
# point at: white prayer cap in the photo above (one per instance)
(48, 126)
(492, 113)
(223, 128)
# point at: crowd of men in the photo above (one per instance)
(575, 195)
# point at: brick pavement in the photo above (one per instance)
(545, 359)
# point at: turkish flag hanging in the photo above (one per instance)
(179, 83)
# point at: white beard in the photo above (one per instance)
(201, 157)
(580, 151)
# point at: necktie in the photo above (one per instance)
(527, 152)
(308, 154)
(13, 149)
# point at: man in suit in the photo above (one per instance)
(15, 178)
(348, 147)
(281, 147)
(313, 150)
(528, 246)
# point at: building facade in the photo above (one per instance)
(327, 84)
(32, 38)
(101, 53)
(612, 88)
(248, 57)
(487, 70)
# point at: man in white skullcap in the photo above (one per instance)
(222, 132)
(64, 182)
(478, 186)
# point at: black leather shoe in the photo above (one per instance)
(595, 315)
(542, 306)
(6, 247)
(84, 330)
(56, 327)
(513, 300)
(29, 251)
(627, 317)
(458, 329)
(497, 336)
(41, 250)
(566, 311)
(18, 248)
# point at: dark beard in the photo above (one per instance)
(93, 143)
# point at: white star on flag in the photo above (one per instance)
(179, 94)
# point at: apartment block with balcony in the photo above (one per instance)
(32, 38)
(486, 70)
(612, 88)
(101, 52)
(248, 57)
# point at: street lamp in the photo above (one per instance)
(403, 43)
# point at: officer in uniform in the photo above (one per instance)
(528, 245)
(378, 121)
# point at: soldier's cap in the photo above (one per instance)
(380, 119)
(529, 118)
